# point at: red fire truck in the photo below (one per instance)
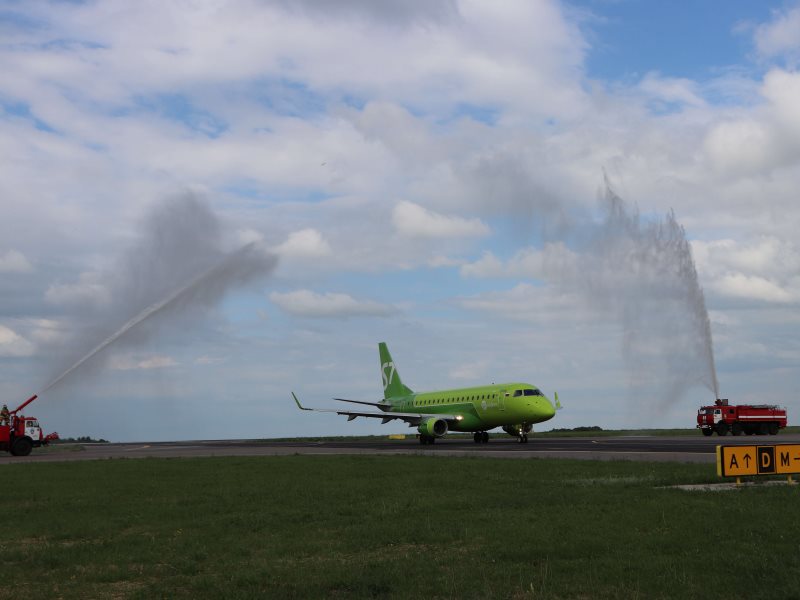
(760, 419)
(19, 434)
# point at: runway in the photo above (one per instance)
(639, 448)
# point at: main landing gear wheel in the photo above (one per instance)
(485, 437)
(426, 439)
(480, 437)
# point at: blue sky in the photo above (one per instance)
(426, 173)
(696, 40)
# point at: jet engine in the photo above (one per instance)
(433, 427)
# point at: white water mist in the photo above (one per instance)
(175, 272)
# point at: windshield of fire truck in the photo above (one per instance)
(33, 423)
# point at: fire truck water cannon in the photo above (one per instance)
(748, 419)
(20, 434)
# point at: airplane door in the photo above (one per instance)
(501, 399)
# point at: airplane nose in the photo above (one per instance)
(549, 409)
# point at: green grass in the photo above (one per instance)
(396, 527)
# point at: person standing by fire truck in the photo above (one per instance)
(5, 416)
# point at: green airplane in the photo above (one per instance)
(513, 406)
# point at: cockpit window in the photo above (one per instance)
(533, 393)
(517, 393)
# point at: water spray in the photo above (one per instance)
(183, 291)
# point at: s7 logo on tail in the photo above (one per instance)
(387, 379)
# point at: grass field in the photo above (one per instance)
(395, 527)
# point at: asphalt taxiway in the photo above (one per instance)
(640, 448)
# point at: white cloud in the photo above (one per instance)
(305, 303)
(88, 292)
(249, 236)
(306, 243)
(751, 287)
(759, 141)
(766, 269)
(14, 262)
(14, 345)
(414, 220)
(528, 302)
(527, 263)
(130, 362)
(671, 89)
(781, 36)
(48, 331)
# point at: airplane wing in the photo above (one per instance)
(413, 419)
(381, 405)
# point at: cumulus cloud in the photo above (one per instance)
(14, 262)
(766, 269)
(14, 345)
(414, 220)
(751, 287)
(306, 243)
(781, 36)
(305, 303)
(756, 143)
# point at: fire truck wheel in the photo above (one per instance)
(21, 447)
(707, 431)
(773, 429)
(736, 428)
(722, 428)
(763, 429)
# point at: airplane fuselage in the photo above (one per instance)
(480, 408)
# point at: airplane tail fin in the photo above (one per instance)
(392, 384)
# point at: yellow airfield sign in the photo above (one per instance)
(779, 459)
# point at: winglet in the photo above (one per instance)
(555, 395)
(300, 406)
